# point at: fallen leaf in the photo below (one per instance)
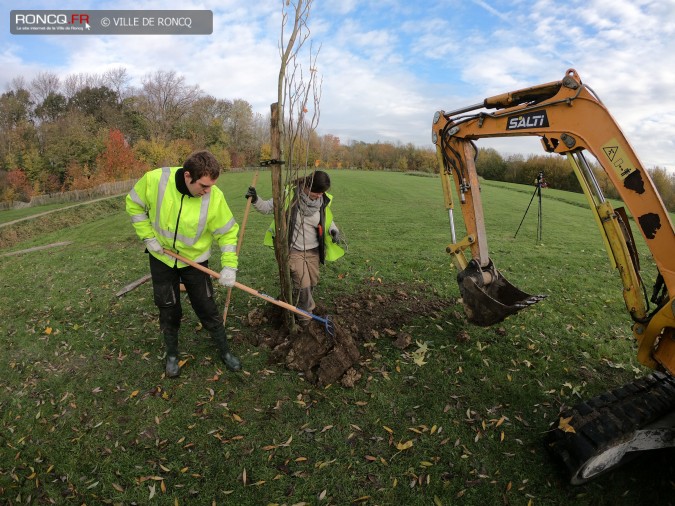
(404, 446)
(565, 426)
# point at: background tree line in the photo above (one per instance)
(72, 133)
(558, 173)
(85, 129)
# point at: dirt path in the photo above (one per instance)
(36, 248)
(60, 209)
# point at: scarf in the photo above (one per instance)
(306, 205)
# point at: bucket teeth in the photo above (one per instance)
(489, 304)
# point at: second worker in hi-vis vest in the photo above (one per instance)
(313, 238)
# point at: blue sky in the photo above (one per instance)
(388, 65)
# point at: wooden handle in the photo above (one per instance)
(239, 243)
(243, 221)
(245, 288)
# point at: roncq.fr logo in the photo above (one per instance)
(52, 18)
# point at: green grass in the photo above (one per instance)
(86, 417)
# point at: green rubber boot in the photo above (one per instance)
(172, 369)
(230, 361)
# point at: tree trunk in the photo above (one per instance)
(281, 250)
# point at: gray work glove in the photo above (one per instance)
(228, 276)
(153, 245)
(335, 234)
(252, 193)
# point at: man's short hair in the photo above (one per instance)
(202, 163)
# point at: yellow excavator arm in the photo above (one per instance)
(569, 119)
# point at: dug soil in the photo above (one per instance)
(378, 311)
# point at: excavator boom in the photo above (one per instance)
(570, 120)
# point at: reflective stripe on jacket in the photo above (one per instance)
(328, 250)
(185, 224)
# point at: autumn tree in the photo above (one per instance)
(17, 186)
(165, 99)
(17, 131)
(52, 107)
(117, 161)
(44, 84)
(239, 129)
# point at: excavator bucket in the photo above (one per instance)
(488, 304)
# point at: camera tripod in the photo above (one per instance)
(540, 182)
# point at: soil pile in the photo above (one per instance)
(380, 310)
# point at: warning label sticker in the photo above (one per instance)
(618, 159)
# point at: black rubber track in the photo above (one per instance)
(603, 421)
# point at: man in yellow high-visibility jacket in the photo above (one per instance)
(181, 209)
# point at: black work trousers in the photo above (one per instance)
(166, 286)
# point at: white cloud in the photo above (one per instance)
(387, 66)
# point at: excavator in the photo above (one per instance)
(604, 432)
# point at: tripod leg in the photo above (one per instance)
(526, 210)
(540, 223)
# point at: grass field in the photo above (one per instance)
(86, 416)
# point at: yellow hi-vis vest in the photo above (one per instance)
(328, 250)
(184, 224)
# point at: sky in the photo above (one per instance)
(388, 65)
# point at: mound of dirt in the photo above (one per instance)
(379, 310)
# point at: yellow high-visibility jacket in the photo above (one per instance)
(328, 250)
(180, 222)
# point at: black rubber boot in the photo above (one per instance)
(230, 361)
(172, 368)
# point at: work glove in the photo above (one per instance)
(152, 244)
(252, 193)
(335, 234)
(228, 276)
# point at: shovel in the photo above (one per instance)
(330, 328)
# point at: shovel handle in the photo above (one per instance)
(242, 229)
(245, 288)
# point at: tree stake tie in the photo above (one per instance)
(330, 327)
